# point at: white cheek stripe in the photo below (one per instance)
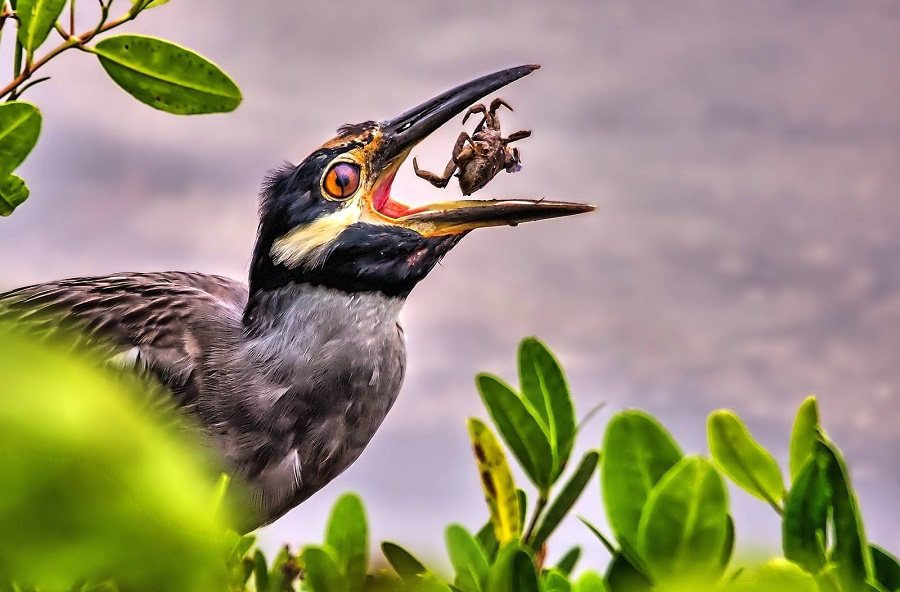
(308, 244)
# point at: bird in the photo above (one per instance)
(290, 375)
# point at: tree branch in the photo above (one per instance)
(21, 76)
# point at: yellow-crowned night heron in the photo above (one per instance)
(292, 375)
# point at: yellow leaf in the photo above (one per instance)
(496, 478)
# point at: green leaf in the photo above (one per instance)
(523, 504)
(488, 540)
(637, 452)
(152, 4)
(806, 515)
(623, 576)
(777, 575)
(684, 524)
(590, 581)
(20, 126)
(279, 579)
(568, 561)
(520, 429)
(886, 568)
(321, 572)
(600, 536)
(851, 552)
(428, 582)
(514, 571)
(242, 544)
(554, 581)
(13, 192)
(129, 498)
(499, 489)
(166, 76)
(404, 563)
(36, 20)
(740, 457)
(260, 571)
(728, 547)
(544, 386)
(347, 535)
(566, 499)
(804, 435)
(467, 558)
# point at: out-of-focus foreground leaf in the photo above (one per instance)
(514, 571)
(777, 575)
(886, 567)
(404, 563)
(321, 572)
(347, 535)
(468, 559)
(95, 485)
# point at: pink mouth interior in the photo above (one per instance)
(383, 204)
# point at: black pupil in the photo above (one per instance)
(343, 177)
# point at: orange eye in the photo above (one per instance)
(341, 180)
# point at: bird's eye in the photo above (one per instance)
(342, 180)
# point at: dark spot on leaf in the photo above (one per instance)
(489, 483)
(479, 453)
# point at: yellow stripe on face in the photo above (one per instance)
(308, 244)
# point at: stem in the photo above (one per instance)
(17, 69)
(21, 76)
(34, 82)
(72, 17)
(538, 509)
(6, 13)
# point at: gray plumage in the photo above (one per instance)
(290, 386)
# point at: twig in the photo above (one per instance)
(17, 68)
(34, 82)
(78, 41)
(538, 509)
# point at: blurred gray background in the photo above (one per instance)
(745, 158)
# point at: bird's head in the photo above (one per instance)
(331, 220)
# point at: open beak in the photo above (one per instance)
(402, 133)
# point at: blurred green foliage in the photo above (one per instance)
(99, 483)
(104, 491)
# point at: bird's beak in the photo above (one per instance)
(402, 133)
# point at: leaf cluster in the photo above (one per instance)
(671, 526)
(668, 512)
(156, 72)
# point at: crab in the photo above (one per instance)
(480, 157)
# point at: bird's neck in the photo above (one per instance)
(295, 307)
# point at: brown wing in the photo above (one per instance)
(153, 321)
